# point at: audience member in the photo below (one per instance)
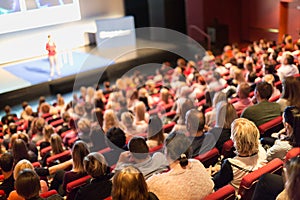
(100, 185)
(138, 155)
(6, 165)
(129, 183)
(156, 136)
(250, 154)
(244, 101)
(264, 110)
(291, 138)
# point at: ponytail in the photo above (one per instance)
(183, 160)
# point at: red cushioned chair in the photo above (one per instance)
(270, 127)
(273, 99)
(249, 181)
(168, 107)
(201, 103)
(108, 198)
(227, 149)
(61, 157)
(168, 127)
(209, 158)
(292, 153)
(225, 193)
(73, 186)
(170, 114)
(156, 149)
(65, 133)
(105, 150)
(57, 123)
(45, 150)
(48, 193)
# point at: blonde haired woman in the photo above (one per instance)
(129, 183)
(141, 116)
(250, 155)
(110, 120)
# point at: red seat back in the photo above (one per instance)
(168, 127)
(292, 153)
(225, 193)
(61, 157)
(209, 158)
(227, 149)
(271, 126)
(48, 193)
(249, 181)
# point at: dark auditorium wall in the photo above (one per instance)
(247, 20)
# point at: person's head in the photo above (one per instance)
(243, 90)
(291, 120)
(127, 119)
(245, 136)
(28, 110)
(177, 148)
(185, 107)
(110, 119)
(56, 144)
(129, 183)
(66, 117)
(288, 59)
(194, 121)
(140, 110)
(95, 164)
(22, 164)
(218, 97)
(263, 91)
(226, 114)
(269, 78)
(27, 184)
(48, 131)
(6, 162)
(19, 150)
(138, 148)
(164, 95)
(290, 90)
(45, 108)
(39, 124)
(155, 129)
(24, 104)
(84, 125)
(115, 138)
(292, 176)
(79, 151)
(7, 109)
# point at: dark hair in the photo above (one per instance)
(289, 58)
(138, 147)
(195, 120)
(28, 184)
(293, 172)
(79, 151)
(95, 164)
(270, 69)
(251, 77)
(7, 162)
(290, 91)
(185, 107)
(291, 116)
(7, 109)
(115, 136)
(178, 147)
(264, 89)
(155, 129)
(20, 150)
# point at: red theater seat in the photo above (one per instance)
(61, 157)
(249, 181)
(73, 186)
(273, 99)
(156, 149)
(48, 193)
(225, 193)
(227, 149)
(292, 153)
(168, 127)
(271, 126)
(209, 158)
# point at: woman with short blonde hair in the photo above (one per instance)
(250, 155)
(110, 120)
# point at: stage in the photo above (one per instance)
(28, 79)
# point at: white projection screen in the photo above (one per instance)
(16, 15)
